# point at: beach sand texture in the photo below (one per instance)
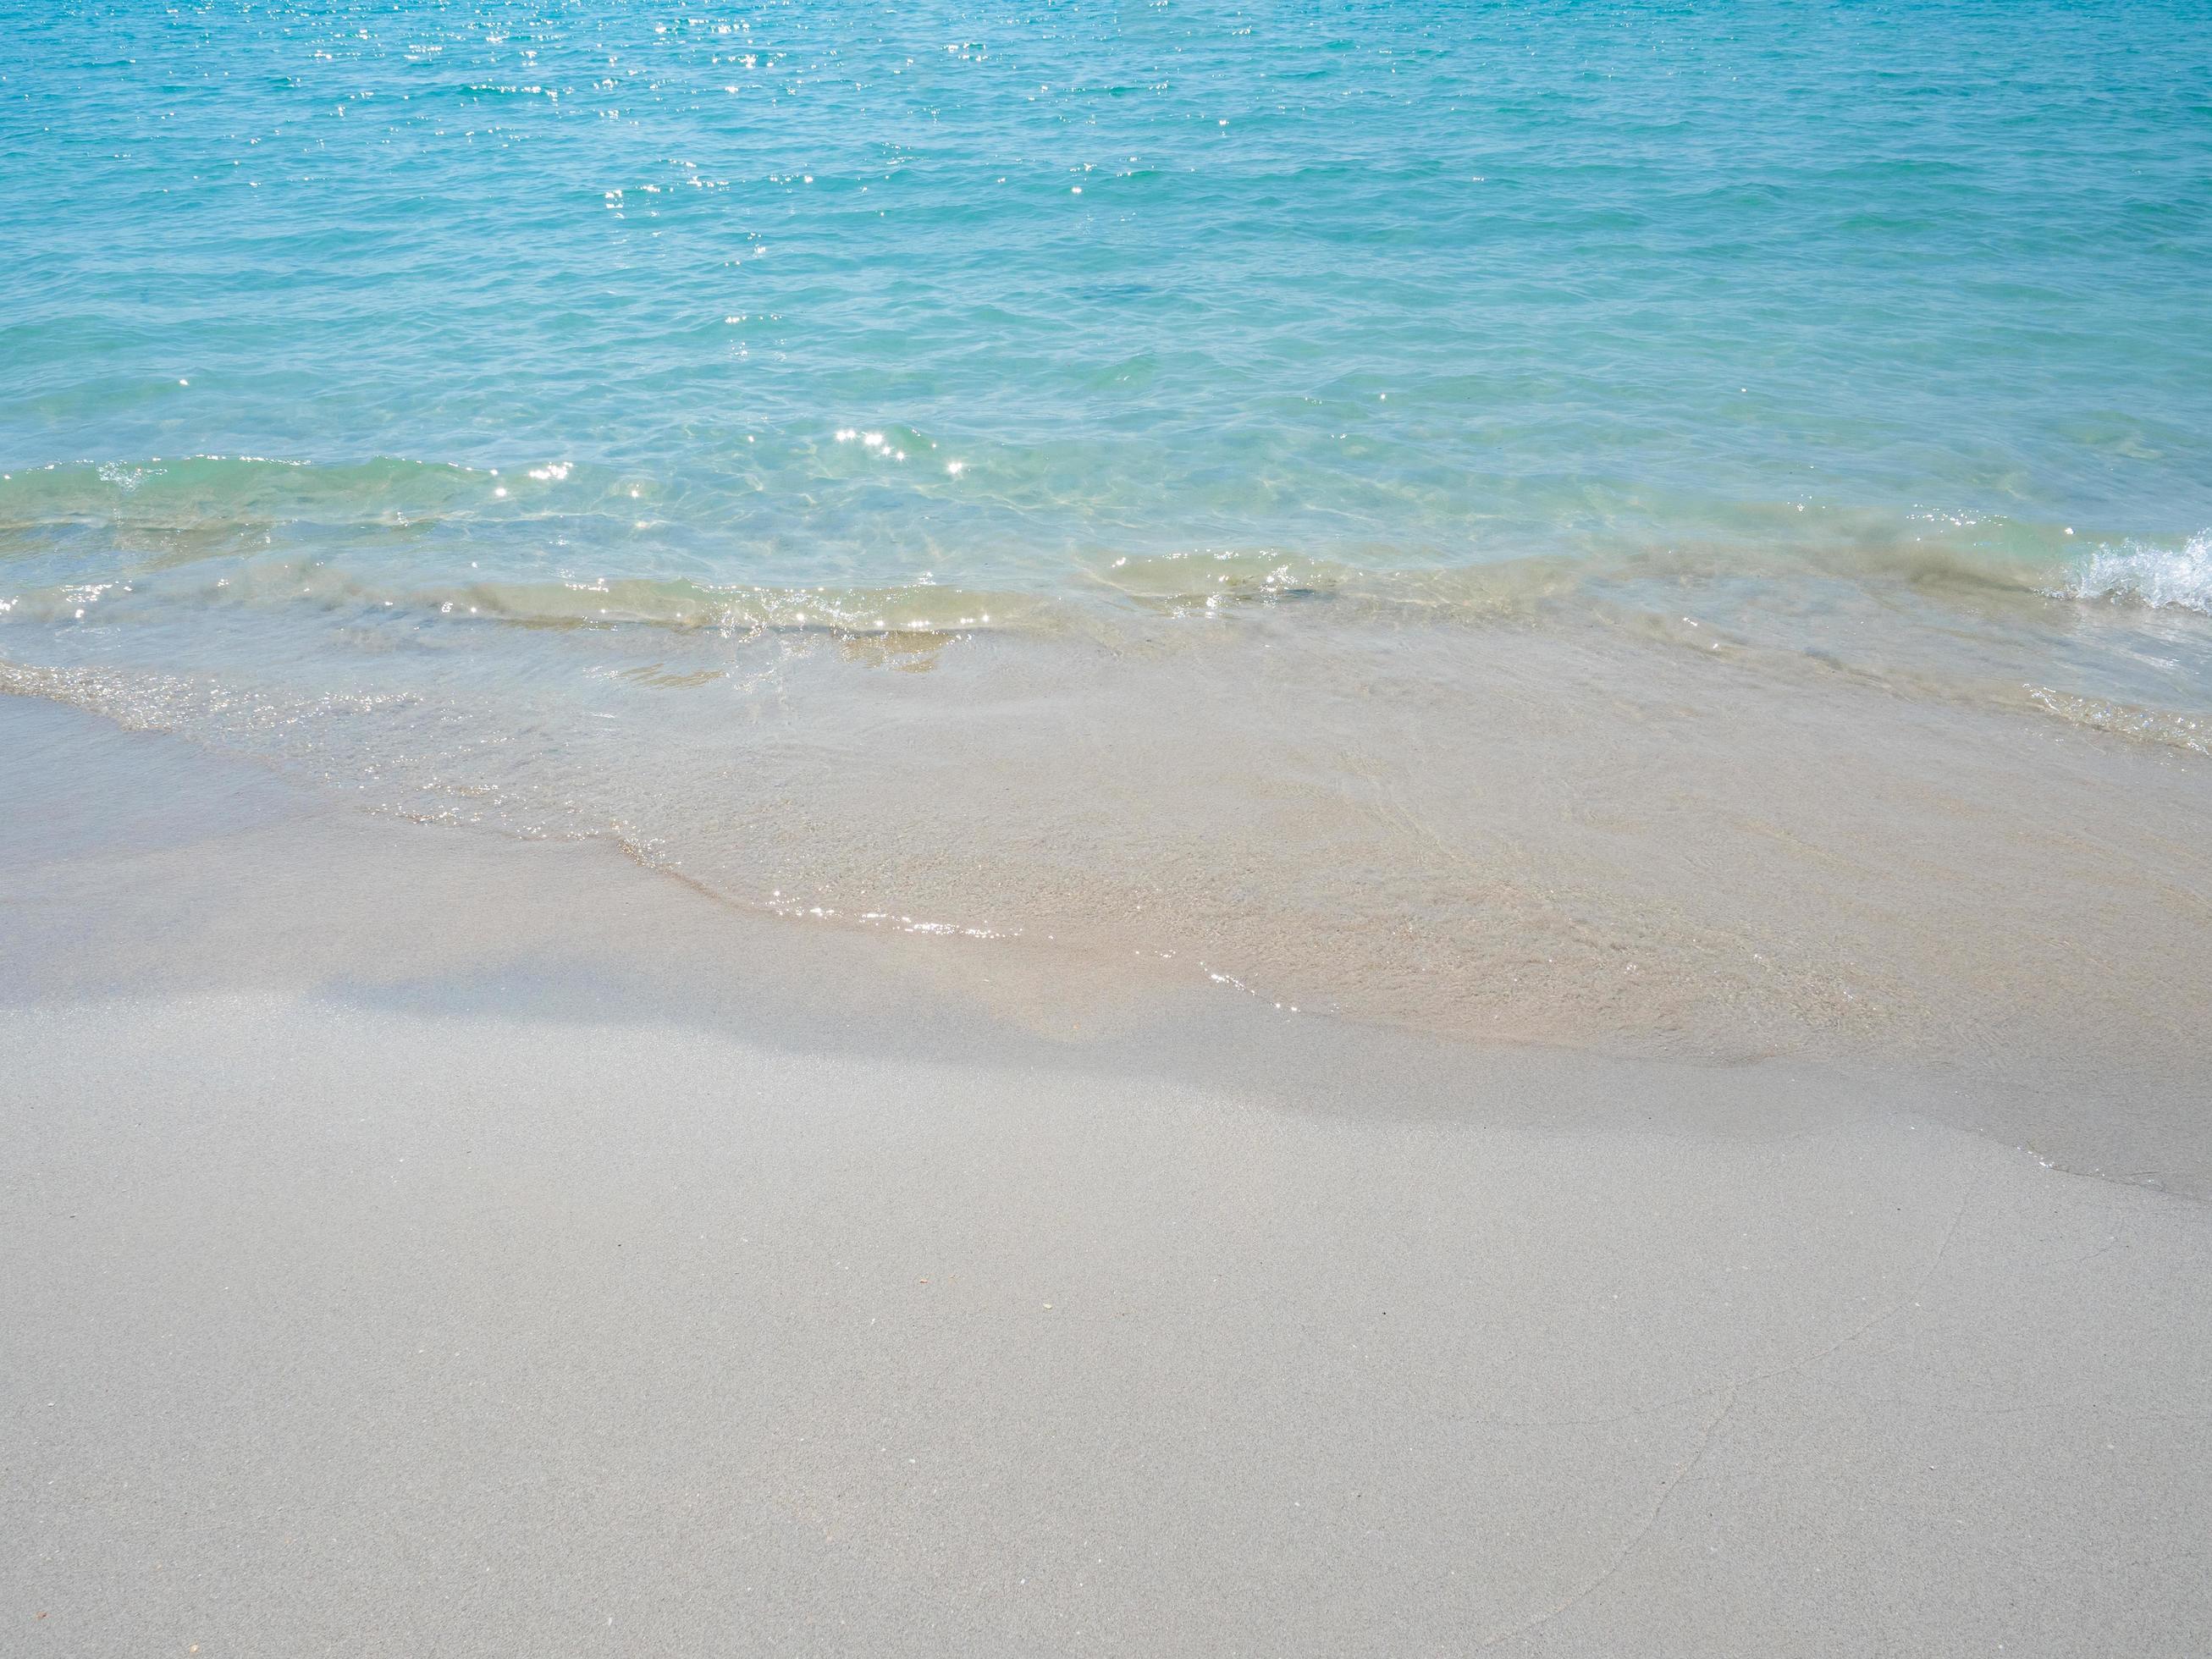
(491, 1295)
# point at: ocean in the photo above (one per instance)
(1655, 523)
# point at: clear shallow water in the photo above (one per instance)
(741, 353)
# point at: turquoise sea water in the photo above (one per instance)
(738, 353)
(1398, 286)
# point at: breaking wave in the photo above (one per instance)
(2177, 578)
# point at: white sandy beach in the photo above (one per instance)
(959, 832)
(485, 1296)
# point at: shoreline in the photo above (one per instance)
(2030, 1035)
(1588, 835)
(431, 1251)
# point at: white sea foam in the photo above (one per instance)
(2178, 577)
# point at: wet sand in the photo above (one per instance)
(1565, 831)
(426, 1243)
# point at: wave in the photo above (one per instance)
(2172, 728)
(1204, 585)
(676, 605)
(187, 492)
(561, 545)
(2177, 578)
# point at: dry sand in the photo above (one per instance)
(419, 1244)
